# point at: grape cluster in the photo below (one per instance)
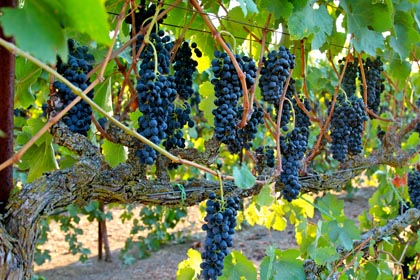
(417, 128)
(293, 147)
(347, 127)
(265, 156)
(276, 68)
(220, 226)
(184, 68)
(156, 94)
(177, 118)
(413, 183)
(246, 135)
(374, 83)
(228, 91)
(143, 15)
(75, 70)
(350, 75)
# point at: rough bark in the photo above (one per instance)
(7, 79)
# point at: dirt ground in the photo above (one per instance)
(163, 264)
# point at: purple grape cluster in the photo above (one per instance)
(156, 94)
(350, 75)
(276, 68)
(184, 68)
(265, 156)
(374, 83)
(413, 183)
(78, 119)
(220, 226)
(347, 127)
(293, 147)
(228, 91)
(143, 15)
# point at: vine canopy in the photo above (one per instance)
(390, 27)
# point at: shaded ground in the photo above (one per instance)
(163, 264)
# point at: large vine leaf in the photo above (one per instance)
(46, 23)
(406, 36)
(243, 177)
(310, 21)
(40, 157)
(26, 74)
(114, 153)
(366, 21)
(282, 265)
(273, 8)
(42, 34)
(237, 266)
(248, 6)
(88, 16)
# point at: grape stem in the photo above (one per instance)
(222, 201)
(260, 65)
(147, 39)
(293, 111)
(230, 34)
(278, 133)
(121, 17)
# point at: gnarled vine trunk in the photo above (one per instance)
(7, 79)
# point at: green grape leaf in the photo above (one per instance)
(237, 266)
(26, 74)
(88, 16)
(282, 265)
(412, 141)
(39, 159)
(308, 22)
(331, 208)
(243, 177)
(103, 96)
(42, 34)
(322, 255)
(399, 69)
(417, 246)
(273, 7)
(47, 23)
(406, 36)
(248, 6)
(366, 21)
(92, 206)
(207, 103)
(343, 234)
(265, 198)
(114, 153)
